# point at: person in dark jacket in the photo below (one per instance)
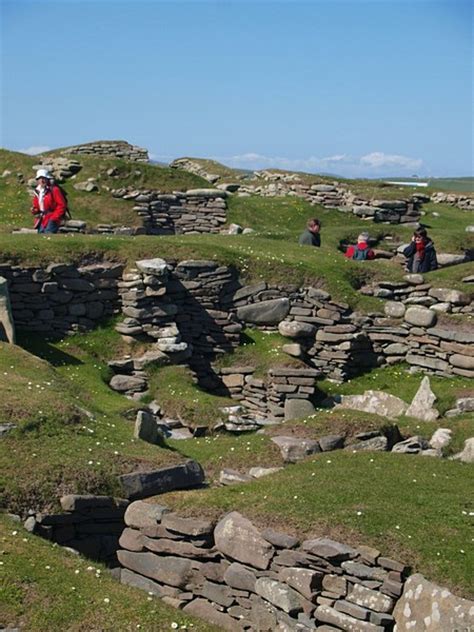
(361, 251)
(311, 236)
(421, 254)
(49, 203)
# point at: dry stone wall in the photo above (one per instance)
(241, 578)
(464, 202)
(62, 298)
(192, 212)
(111, 148)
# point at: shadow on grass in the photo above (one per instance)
(44, 349)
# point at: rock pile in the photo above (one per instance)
(192, 212)
(61, 168)
(110, 148)
(187, 164)
(240, 578)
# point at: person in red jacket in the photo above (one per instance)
(49, 203)
(361, 251)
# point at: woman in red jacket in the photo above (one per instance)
(49, 203)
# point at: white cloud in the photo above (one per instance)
(35, 149)
(378, 159)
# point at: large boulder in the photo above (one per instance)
(377, 402)
(446, 295)
(294, 449)
(269, 312)
(237, 538)
(296, 329)
(426, 607)
(422, 405)
(7, 328)
(467, 454)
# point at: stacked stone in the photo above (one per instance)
(111, 148)
(389, 211)
(193, 212)
(60, 166)
(91, 525)
(464, 202)
(62, 298)
(287, 383)
(414, 291)
(186, 164)
(240, 578)
(417, 340)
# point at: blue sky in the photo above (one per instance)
(355, 88)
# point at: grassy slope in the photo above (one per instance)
(67, 451)
(42, 587)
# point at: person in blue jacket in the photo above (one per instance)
(421, 253)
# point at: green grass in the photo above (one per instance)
(43, 587)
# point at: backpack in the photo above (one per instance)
(67, 212)
(360, 254)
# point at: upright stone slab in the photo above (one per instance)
(426, 607)
(7, 328)
(422, 405)
(377, 402)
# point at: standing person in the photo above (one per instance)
(310, 236)
(49, 203)
(361, 251)
(421, 253)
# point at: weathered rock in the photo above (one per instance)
(441, 438)
(269, 312)
(237, 538)
(140, 514)
(446, 295)
(280, 540)
(146, 428)
(342, 621)
(447, 259)
(331, 442)
(143, 484)
(304, 580)
(296, 408)
(240, 577)
(394, 309)
(296, 329)
(205, 610)
(368, 598)
(228, 476)
(467, 453)
(124, 383)
(413, 445)
(260, 472)
(420, 316)
(157, 267)
(426, 607)
(294, 449)
(329, 549)
(174, 571)
(374, 444)
(7, 327)
(377, 402)
(462, 361)
(421, 406)
(187, 526)
(279, 594)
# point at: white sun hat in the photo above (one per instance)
(43, 173)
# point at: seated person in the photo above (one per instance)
(421, 253)
(311, 236)
(361, 251)
(49, 203)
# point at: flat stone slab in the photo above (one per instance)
(144, 484)
(269, 312)
(7, 327)
(377, 402)
(237, 538)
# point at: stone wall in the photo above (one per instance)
(110, 148)
(240, 578)
(62, 298)
(192, 212)
(90, 525)
(464, 202)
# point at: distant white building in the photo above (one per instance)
(407, 184)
